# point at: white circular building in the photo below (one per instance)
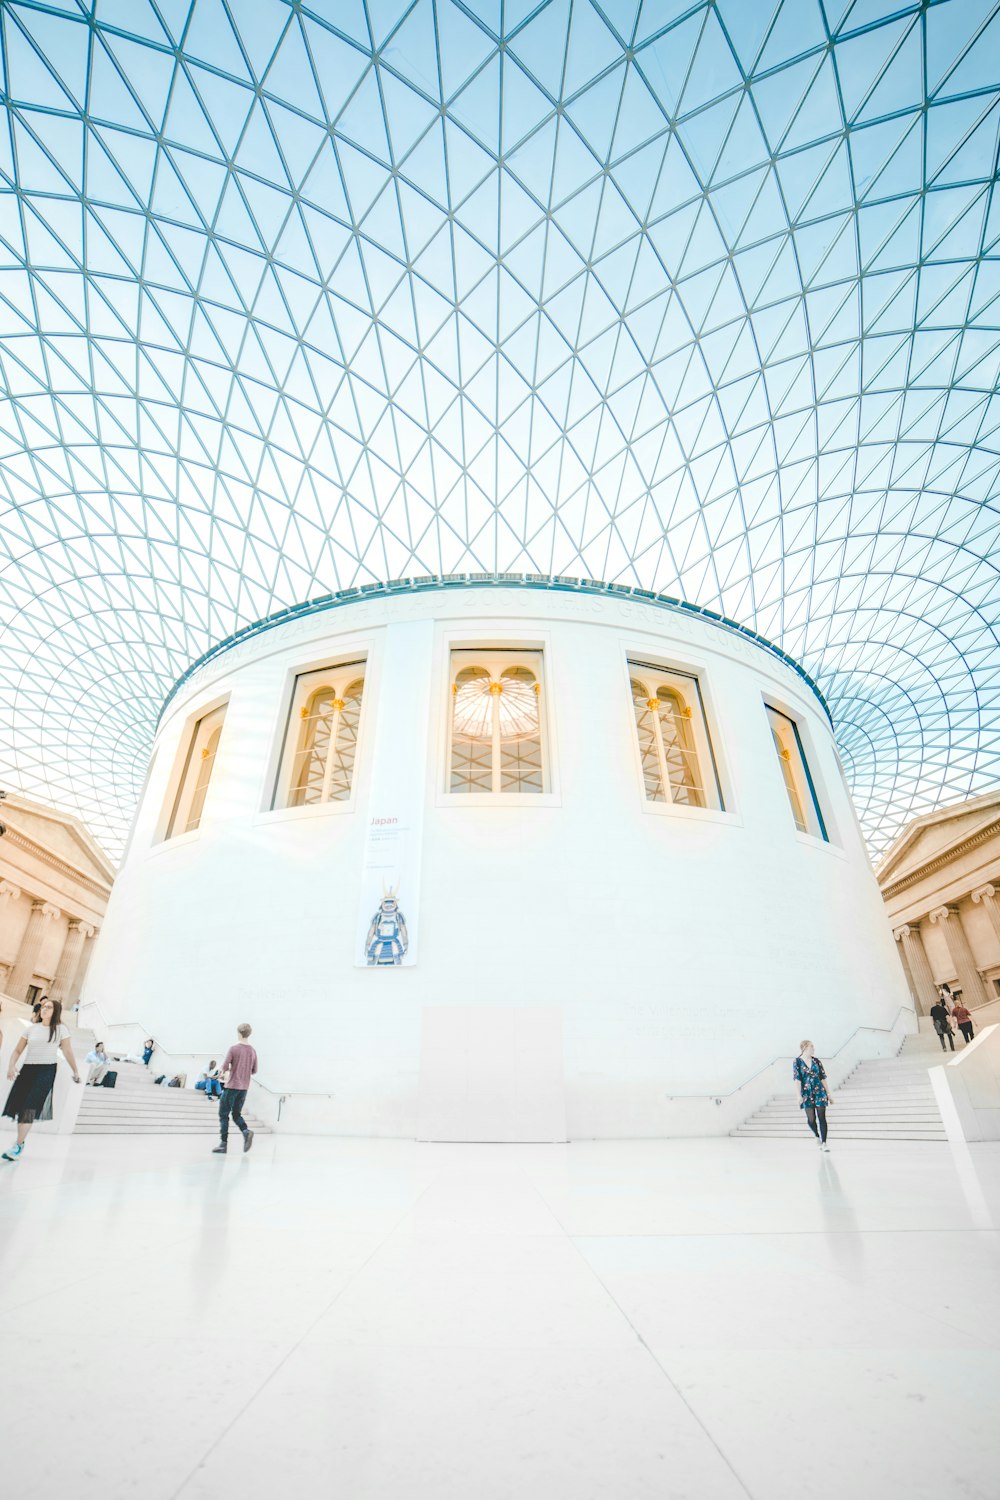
(500, 859)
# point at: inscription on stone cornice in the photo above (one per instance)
(63, 867)
(941, 860)
(348, 619)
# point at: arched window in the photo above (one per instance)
(675, 751)
(199, 763)
(795, 774)
(322, 737)
(496, 728)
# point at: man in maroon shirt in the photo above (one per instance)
(237, 1070)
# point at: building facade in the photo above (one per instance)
(497, 863)
(940, 882)
(54, 888)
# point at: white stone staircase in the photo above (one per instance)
(138, 1106)
(887, 1098)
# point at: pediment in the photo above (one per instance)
(60, 834)
(934, 834)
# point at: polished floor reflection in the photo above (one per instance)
(696, 1319)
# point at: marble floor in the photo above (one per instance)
(380, 1320)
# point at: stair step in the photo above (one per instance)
(837, 1112)
(884, 1098)
(932, 1131)
(139, 1101)
(120, 1128)
(141, 1107)
(843, 1135)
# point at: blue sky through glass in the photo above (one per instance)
(704, 298)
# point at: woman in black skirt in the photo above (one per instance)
(31, 1097)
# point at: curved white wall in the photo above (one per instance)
(683, 949)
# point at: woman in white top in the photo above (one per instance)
(31, 1097)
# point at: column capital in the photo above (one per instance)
(47, 909)
(899, 933)
(984, 893)
(942, 913)
(78, 924)
(10, 890)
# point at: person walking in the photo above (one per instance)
(942, 1024)
(30, 1099)
(960, 1012)
(238, 1067)
(810, 1075)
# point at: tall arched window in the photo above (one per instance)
(199, 763)
(675, 750)
(795, 774)
(322, 737)
(496, 722)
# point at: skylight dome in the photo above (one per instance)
(702, 298)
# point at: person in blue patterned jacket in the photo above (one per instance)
(810, 1075)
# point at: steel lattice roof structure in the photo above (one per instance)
(702, 298)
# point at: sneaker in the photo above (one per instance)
(13, 1153)
(248, 1140)
(219, 1150)
(824, 1146)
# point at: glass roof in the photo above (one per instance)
(703, 298)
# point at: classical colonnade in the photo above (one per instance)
(949, 919)
(19, 969)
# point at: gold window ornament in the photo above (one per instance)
(199, 754)
(675, 749)
(321, 741)
(496, 722)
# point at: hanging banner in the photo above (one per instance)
(388, 911)
(389, 884)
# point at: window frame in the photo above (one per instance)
(282, 760)
(804, 745)
(491, 641)
(182, 761)
(710, 773)
(650, 655)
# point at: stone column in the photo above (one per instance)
(904, 962)
(69, 959)
(987, 895)
(915, 961)
(24, 964)
(9, 893)
(76, 987)
(969, 981)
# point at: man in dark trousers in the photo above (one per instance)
(237, 1070)
(942, 1023)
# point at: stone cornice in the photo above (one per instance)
(526, 582)
(941, 860)
(62, 866)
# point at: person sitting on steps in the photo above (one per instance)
(210, 1081)
(98, 1060)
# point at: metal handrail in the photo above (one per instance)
(786, 1057)
(196, 1051)
(282, 1094)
